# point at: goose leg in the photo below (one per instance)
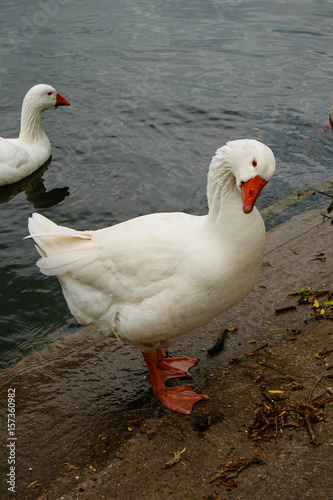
(180, 398)
(174, 367)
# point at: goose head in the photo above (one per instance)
(42, 97)
(253, 164)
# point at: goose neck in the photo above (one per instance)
(31, 124)
(222, 192)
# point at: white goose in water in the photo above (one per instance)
(22, 156)
(150, 280)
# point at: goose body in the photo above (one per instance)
(21, 156)
(150, 280)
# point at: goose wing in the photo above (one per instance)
(12, 158)
(131, 261)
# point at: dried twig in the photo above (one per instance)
(250, 353)
(228, 471)
(270, 400)
(314, 439)
(314, 387)
(284, 310)
(322, 192)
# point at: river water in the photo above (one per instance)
(155, 88)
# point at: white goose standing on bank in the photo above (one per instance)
(21, 156)
(150, 280)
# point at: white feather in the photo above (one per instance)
(151, 279)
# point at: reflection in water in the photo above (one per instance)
(35, 191)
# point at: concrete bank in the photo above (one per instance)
(74, 398)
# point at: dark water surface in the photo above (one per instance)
(155, 89)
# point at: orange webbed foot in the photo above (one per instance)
(179, 398)
(174, 367)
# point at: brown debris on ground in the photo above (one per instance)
(270, 423)
(227, 472)
(245, 442)
(323, 310)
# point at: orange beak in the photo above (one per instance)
(61, 101)
(250, 191)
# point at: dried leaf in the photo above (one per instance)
(304, 292)
(175, 459)
(69, 465)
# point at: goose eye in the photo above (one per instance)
(254, 163)
(49, 93)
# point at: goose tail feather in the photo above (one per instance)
(59, 246)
